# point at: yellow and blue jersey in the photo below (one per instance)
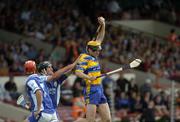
(93, 92)
(90, 66)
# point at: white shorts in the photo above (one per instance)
(45, 117)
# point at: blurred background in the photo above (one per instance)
(58, 30)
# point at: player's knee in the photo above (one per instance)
(107, 119)
(91, 120)
(26, 120)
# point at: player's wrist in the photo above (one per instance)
(88, 77)
(38, 111)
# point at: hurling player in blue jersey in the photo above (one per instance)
(43, 109)
(33, 89)
(45, 68)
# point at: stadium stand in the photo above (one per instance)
(56, 30)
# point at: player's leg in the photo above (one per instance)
(91, 112)
(26, 120)
(81, 120)
(104, 112)
(58, 117)
(30, 118)
(91, 99)
(44, 117)
(55, 117)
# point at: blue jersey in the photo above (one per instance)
(37, 82)
(54, 90)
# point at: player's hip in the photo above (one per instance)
(95, 95)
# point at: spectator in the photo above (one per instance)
(178, 98)
(1, 93)
(72, 51)
(107, 81)
(133, 87)
(77, 87)
(160, 106)
(78, 106)
(10, 85)
(146, 87)
(146, 98)
(67, 94)
(138, 107)
(172, 37)
(4, 70)
(58, 54)
(148, 114)
(132, 101)
(11, 88)
(123, 84)
(122, 102)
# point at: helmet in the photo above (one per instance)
(30, 66)
(94, 45)
(43, 65)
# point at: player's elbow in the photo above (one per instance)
(54, 76)
(38, 92)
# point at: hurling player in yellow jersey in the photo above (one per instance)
(88, 68)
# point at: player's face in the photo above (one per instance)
(49, 70)
(95, 53)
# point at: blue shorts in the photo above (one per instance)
(32, 118)
(94, 95)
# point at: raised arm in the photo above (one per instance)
(100, 33)
(62, 71)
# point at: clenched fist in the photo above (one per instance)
(101, 20)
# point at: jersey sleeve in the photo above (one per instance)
(82, 64)
(33, 85)
(44, 78)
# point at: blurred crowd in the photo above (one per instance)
(65, 25)
(159, 57)
(51, 20)
(70, 26)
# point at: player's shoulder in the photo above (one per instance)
(32, 77)
(85, 56)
